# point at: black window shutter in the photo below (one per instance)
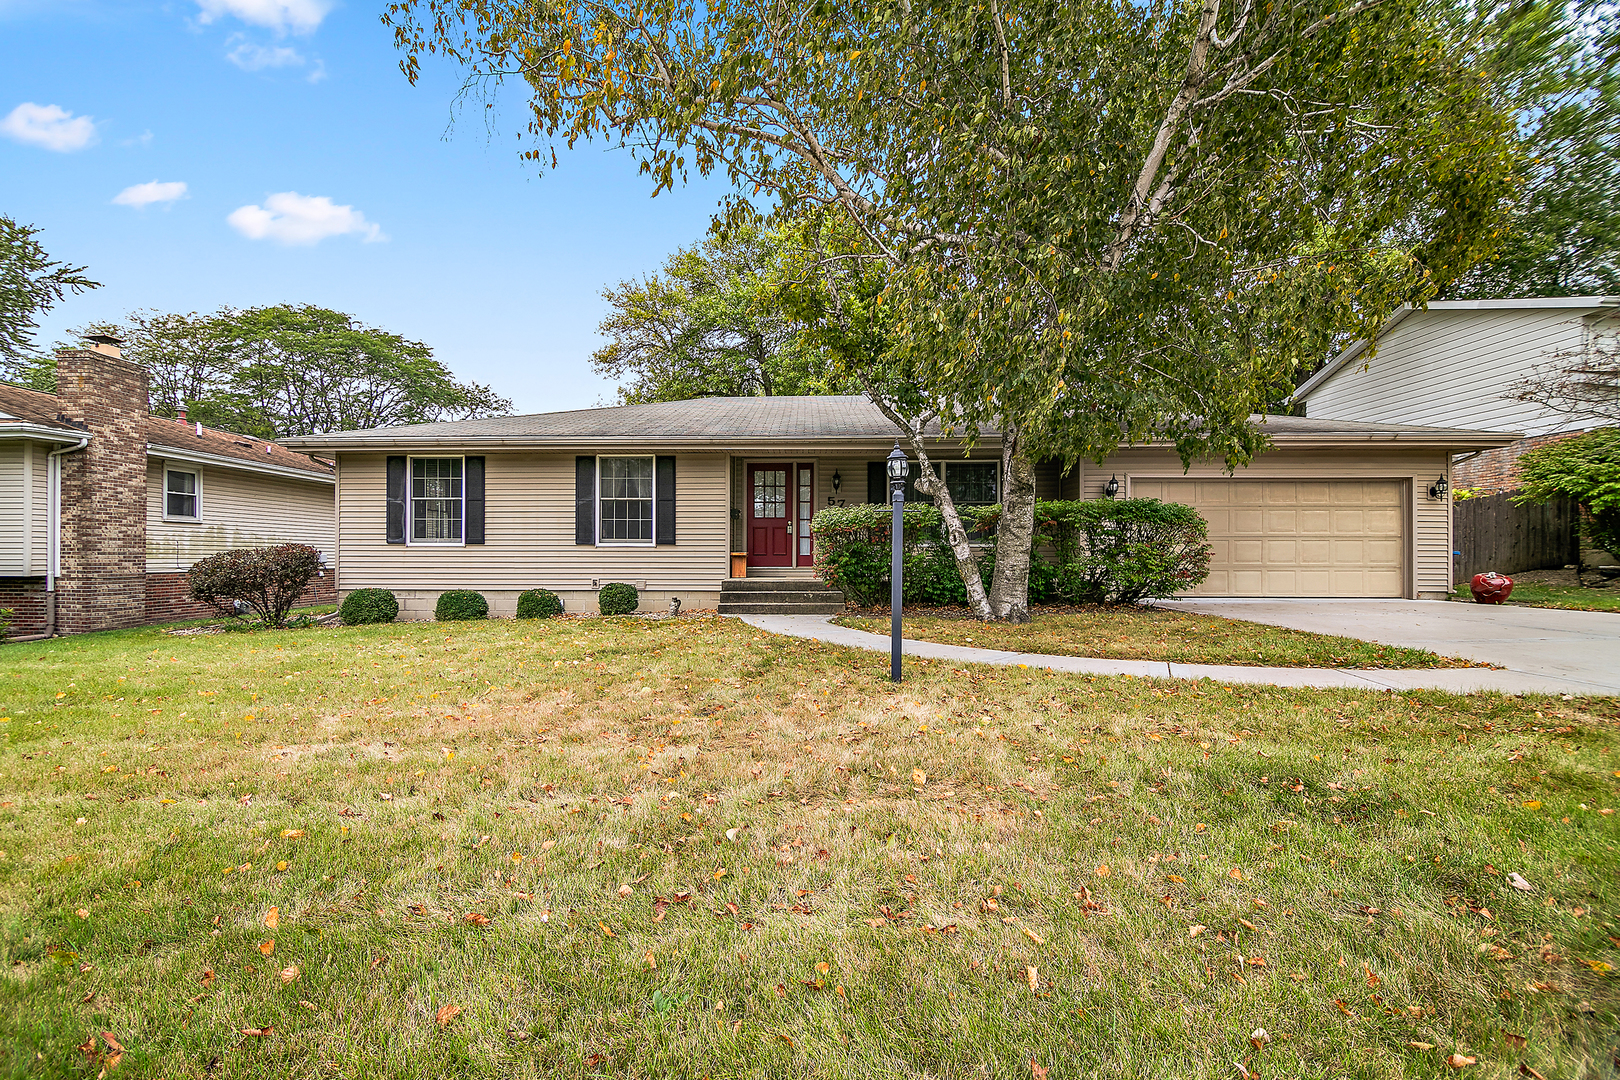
(664, 509)
(877, 482)
(584, 500)
(396, 500)
(473, 479)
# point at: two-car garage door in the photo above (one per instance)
(1296, 537)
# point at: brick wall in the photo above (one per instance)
(1496, 471)
(166, 599)
(26, 598)
(103, 545)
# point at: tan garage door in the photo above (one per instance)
(1295, 537)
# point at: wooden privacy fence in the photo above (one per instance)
(1492, 533)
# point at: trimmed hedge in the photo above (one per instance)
(369, 606)
(618, 598)
(1087, 552)
(538, 604)
(460, 605)
(269, 580)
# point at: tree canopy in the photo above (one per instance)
(293, 370)
(31, 283)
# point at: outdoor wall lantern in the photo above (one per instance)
(838, 481)
(1111, 489)
(1439, 488)
(899, 469)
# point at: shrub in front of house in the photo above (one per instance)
(6, 615)
(369, 606)
(461, 605)
(268, 580)
(538, 604)
(618, 598)
(1089, 551)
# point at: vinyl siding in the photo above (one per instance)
(240, 509)
(1453, 369)
(24, 509)
(1428, 525)
(529, 532)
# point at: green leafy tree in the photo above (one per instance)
(31, 283)
(1585, 468)
(1557, 65)
(1092, 223)
(293, 370)
(714, 323)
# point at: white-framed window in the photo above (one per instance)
(182, 494)
(624, 500)
(437, 501)
(972, 483)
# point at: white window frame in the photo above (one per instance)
(652, 532)
(996, 465)
(410, 498)
(197, 495)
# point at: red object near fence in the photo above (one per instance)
(1491, 587)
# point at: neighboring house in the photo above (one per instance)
(1454, 363)
(672, 497)
(104, 507)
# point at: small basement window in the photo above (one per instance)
(181, 497)
(436, 500)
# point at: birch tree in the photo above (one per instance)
(1096, 222)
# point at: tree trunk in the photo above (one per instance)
(1015, 533)
(955, 532)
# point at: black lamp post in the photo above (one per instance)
(899, 469)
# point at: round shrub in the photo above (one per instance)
(619, 598)
(459, 605)
(539, 604)
(368, 606)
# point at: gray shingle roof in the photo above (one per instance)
(792, 420)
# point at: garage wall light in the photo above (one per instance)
(1111, 489)
(1440, 488)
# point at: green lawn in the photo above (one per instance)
(1555, 596)
(684, 848)
(1145, 633)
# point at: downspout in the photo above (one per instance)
(53, 471)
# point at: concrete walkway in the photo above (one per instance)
(1455, 680)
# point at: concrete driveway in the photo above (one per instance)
(1578, 648)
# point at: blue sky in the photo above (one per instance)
(314, 173)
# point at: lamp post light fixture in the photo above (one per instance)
(1440, 488)
(837, 481)
(899, 468)
(1111, 489)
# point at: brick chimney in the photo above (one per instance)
(103, 581)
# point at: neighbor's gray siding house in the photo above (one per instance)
(1454, 363)
(672, 496)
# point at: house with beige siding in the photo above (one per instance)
(1455, 363)
(104, 507)
(686, 499)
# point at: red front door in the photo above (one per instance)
(770, 515)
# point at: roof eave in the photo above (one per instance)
(270, 468)
(41, 433)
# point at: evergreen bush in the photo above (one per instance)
(538, 604)
(618, 598)
(369, 606)
(460, 605)
(269, 580)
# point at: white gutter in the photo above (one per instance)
(196, 457)
(38, 433)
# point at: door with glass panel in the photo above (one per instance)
(805, 510)
(770, 515)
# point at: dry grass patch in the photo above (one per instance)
(1147, 633)
(687, 848)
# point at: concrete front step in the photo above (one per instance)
(783, 596)
(756, 607)
(769, 584)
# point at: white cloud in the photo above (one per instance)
(143, 195)
(50, 126)
(251, 57)
(299, 16)
(290, 218)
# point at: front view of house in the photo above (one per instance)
(676, 498)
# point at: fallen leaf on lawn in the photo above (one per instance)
(1249, 925)
(1033, 977)
(625, 890)
(377, 963)
(1194, 931)
(1343, 1007)
(1259, 1038)
(281, 867)
(207, 976)
(1533, 804)
(1036, 1071)
(652, 961)
(1257, 961)
(478, 918)
(83, 913)
(732, 834)
(1102, 871)
(258, 1032)
(548, 845)
(918, 777)
(288, 973)
(446, 1014)
(272, 918)
(1235, 874)
(1598, 966)
(605, 929)
(1525, 1070)
(594, 1060)
(1460, 1061)
(291, 834)
(1518, 882)
(112, 1044)
(1421, 1045)
(1200, 827)
(267, 947)
(1032, 935)
(1244, 1073)
(1178, 879)
(1517, 1040)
